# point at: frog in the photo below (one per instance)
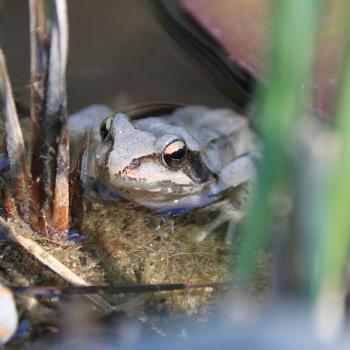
(170, 158)
(177, 162)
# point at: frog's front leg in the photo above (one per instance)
(228, 213)
(237, 172)
(240, 171)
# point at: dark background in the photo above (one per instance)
(118, 54)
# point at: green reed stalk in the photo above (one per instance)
(335, 240)
(286, 91)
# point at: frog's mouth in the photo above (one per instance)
(161, 196)
(141, 185)
(154, 195)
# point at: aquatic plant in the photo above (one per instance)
(41, 194)
(299, 206)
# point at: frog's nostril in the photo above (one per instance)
(135, 163)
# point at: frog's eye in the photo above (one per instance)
(106, 127)
(174, 152)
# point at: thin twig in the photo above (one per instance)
(50, 291)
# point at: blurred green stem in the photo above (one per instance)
(335, 239)
(287, 89)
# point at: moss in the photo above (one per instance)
(124, 243)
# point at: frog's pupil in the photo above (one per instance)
(174, 152)
(180, 153)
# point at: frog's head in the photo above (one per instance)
(148, 166)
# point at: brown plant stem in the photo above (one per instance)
(77, 181)
(15, 144)
(50, 144)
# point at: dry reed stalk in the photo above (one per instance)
(15, 144)
(77, 182)
(50, 144)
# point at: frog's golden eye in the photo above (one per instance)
(174, 152)
(105, 127)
